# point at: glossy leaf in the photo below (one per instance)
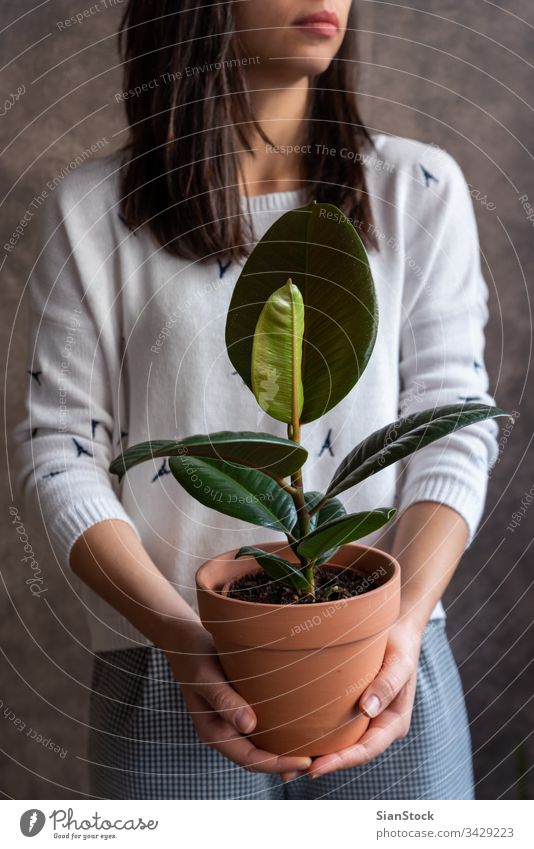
(277, 568)
(320, 250)
(272, 454)
(342, 531)
(243, 493)
(277, 355)
(331, 509)
(401, 438)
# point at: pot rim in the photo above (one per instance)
(317, 605)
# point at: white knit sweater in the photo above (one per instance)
(127, 344)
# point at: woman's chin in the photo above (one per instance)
(298, 67)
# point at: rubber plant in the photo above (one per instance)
(301, 327)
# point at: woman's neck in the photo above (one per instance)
(281, 112)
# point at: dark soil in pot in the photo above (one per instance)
(330, 585)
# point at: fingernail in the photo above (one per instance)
(290, 776)
(305, 763)
(244, 721)
(371, 706)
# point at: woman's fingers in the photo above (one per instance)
(376, 739)
(230, 705)
(221, 716)
(210, 682)
(221, 736)
(389, 726)
(207, 678)
(291, 776)
(400, 663)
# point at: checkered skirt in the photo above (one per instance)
(143, 744)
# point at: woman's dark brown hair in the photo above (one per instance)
(187, 126)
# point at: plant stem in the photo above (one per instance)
(309, 573)
(303, 515)
(281, 482)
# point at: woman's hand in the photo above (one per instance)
(220, 715)
(388, 701)
(429, 542)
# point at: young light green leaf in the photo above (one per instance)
(320, 249)
(277, 568)
(243, 493)
(342, 531)
(276, 367)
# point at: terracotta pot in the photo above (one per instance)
(302, 667)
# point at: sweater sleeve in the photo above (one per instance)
(442, 342)
(67, 439)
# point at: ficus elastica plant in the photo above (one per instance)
(301, 327)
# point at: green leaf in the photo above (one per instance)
(277, 568)
(277, 355)
(243, 493)
(331, 509)
(272, 454)
(342, 531)
(320, 250)
(401, 438)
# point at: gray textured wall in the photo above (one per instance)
(456, 74)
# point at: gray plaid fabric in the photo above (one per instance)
(143, 744)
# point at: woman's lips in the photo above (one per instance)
(325, 24)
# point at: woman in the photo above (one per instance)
(239, 112)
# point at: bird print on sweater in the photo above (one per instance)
(428, 176)
(80, 449)
(94, 425)
(327, 444)
(163, 470)
(223, 268)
